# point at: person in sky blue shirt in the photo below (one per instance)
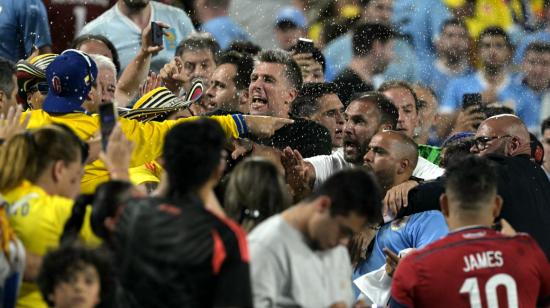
(493, 80)
(421, 21)
(214, 18)
(23, 26)
(393, 156)
(338, 53)
(452, 59)
(532, 85)
(540, 36)
(124, 22)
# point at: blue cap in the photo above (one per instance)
(291, 14)
(70, 77)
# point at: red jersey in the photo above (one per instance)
(67, 17)
(474, 267)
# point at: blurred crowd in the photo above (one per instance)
(274, 153)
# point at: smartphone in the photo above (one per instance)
(156, 34)
(471, 99)
(107, 120)
(304, 45)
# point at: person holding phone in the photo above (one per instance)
(310, 59)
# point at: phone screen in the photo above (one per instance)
(156, 34)
(107, 120)
(471, 99)
(304, 45)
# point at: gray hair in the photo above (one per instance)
(103, 62)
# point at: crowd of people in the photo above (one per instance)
(274, 153)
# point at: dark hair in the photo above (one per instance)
(244, 65)
(292, 71)
(307, 101)
(218, 4)
(454, 22)
(199, 41)
(248, 206)
(454, 150)
(352, 190)
(59, 265)
(244, 47)
(496, 31)
(471, 180)
(396, 84)
(79, 41)
(7, 71)
(192, 151)
(365, 35)
(538, 46)
(315, 53)
(388, 112)
(545, 125)
(108, 197)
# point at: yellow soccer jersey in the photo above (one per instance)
(38, 220)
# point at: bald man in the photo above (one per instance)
(504, 135)
(392, 156)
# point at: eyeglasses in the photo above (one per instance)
(42, 87)
(481, 143)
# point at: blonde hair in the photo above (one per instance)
(255, 191)
(25, 156)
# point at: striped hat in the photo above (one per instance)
(29, 73)
(153, 104)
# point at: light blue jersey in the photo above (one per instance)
(528, 103)
(339, 52)
(126, 35)
(23, 23)
(225, 30)
(476, 83)
(415, 231)
(437, 77)
(541, 36)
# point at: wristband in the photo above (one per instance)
(242, 127)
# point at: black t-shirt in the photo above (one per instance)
(178, 254)
(349, 83)
(523, 186)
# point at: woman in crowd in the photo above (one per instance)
(40, 176)
(255, 191)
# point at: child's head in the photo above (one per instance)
(73, 276)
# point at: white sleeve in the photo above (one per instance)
(427, 170)
(326, 165)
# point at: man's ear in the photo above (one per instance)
(513, 146)
(322, 204)
(497, 206)
(243, 96)
(403, 166)
(292, 93)
(444, 204)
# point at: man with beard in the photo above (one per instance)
(365, 116)
(372, 52)
(452, 59)
(493, 80)
(124, 22)
(393, 157)
(522, 184)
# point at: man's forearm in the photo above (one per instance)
(131, 78)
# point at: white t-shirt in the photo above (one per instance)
(286, 272)
(327, 165)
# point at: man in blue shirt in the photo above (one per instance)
(540, 36)
(493, 80)
(124, 22)
(530, 87)
(214, 18)
(393, 156)
(339, 52)
(452, 57)
(23, 25)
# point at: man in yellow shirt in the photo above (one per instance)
(70, 77)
